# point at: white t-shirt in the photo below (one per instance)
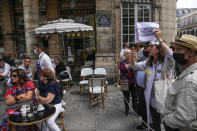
(45, 61)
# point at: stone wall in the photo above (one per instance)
(6, 21)
(31, 21)
(105, 55)
(54, 39)
(164, 12)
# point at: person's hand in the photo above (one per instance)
(58, 81)
(10, 100)
(158, 35)
(21, 96)
(133, 56)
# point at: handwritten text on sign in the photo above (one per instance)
(145, 31)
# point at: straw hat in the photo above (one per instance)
(189, 41)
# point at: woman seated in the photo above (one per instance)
(50, 92)
(21, 91)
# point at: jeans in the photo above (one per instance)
(142, 103)
(156, 118)
(132, 92)
(50, 125)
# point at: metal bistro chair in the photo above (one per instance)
(83, 80)
(96, 88)
(61, 118)
(102, 71)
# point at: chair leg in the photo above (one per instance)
(64, 129)
(81, 90)
(12, 128)
(106, 89)
(91, 100)
(102, 95)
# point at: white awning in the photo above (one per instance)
(137, 1)
(61, 26)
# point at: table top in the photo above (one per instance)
(17, 105)
(17, 119)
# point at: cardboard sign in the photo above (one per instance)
(144, 31)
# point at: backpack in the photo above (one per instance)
(58, 90)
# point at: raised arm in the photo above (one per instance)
(169, 60)
(158, 35)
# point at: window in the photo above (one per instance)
(193, 19)
(184, 21)
(130, 14)
(189, 20)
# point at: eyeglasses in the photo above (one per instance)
(13, 76)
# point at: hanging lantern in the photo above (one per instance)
(68, 35)
(73, 35)
(78, 34)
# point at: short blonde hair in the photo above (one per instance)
(126, 51)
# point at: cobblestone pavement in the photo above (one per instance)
(79, 117)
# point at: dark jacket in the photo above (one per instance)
(59, 68)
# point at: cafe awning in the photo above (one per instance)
(61, 26)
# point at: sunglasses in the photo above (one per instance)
(13, 76)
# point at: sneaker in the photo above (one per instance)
(62, 110)
(64, 92)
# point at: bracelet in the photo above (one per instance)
(162, 41)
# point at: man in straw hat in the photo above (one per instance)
(181, 101)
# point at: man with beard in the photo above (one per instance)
(181, 101)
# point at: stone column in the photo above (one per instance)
(31, 21)
(54, 39)
(6, 21)
(164, 13)
(118, 36)
(105, 54)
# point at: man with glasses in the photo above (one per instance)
(26, 66)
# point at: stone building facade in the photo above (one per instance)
(113, 22)
(188, 24)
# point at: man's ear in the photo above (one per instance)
(192, 52)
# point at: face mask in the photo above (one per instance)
(179, 58)
(35, 52)
(146, 53)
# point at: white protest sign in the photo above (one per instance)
(144, 31)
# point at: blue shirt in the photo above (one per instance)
(53, 88)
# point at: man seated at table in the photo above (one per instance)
(50, 92)
(60, 66)
(26, 66)
(4, 70)
(21, 91)
(60, 70)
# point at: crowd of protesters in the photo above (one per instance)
(152, 61)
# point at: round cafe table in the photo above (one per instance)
(17, 120)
